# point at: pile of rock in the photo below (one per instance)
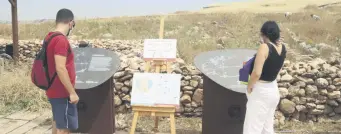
(309, 90)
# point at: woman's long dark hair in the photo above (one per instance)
(271, 30)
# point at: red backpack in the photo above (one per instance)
(40, 74)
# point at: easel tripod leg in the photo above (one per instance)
(172, 123)
(134, 123)
(156, 125)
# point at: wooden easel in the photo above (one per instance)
(155, 111)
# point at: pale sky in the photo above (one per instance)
(47, 9)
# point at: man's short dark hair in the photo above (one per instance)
(64, 16)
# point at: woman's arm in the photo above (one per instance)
(262, 54)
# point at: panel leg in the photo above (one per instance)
(134, 123)
(172, 123)
(156, 125)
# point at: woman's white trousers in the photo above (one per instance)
(260, 108)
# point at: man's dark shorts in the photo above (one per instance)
(64, 113)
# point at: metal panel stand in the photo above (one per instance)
(223, 111)
(96, 109)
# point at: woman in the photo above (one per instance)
(262, 90)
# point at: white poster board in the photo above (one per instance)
(152, 89)
(164, 49)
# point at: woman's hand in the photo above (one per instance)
(249, 88)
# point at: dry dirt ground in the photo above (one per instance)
(26, 122)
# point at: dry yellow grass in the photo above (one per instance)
(17, 91)
(200, 32)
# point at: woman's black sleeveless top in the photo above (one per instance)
(272, 64)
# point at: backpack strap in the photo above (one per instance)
(45, 44)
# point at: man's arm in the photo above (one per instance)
(63, 73)
(60, 54)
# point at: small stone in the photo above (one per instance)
(337, 110)
(308, 75)
(118, 75)
(283, 92)
(117, 100)
(338, 100)
(332, 103)
(316, 111)
(310, 99)
(339, 74)
(194, 83)
(187, 77)
(332, 69)
(331, 88)
(324, 92)
(307, 81)
(286, 78)
(301, 108)
(331, 114)
(287, 106)
(293, 90)
(188, 88)
(126, 98)
(194, 105)
(334, 95)
(118, 85)
(311, 105)
(301, 84)
(296, 100)
(198, 95)
(188, 92)
(322, 83)
(128, 83)
(279, 115)
(196, 77)
(195, 72)
(126, 77)
(311, 90)
(327, 110)
(185, 99)
(321, 107)
(301, 92)
(184, 83)
(284, 85)
(337, 82)
(125, 90)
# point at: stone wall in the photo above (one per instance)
(310, 91)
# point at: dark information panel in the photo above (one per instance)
(94, 66)
(223, 109)
(222, 66)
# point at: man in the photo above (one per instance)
(60, 59)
